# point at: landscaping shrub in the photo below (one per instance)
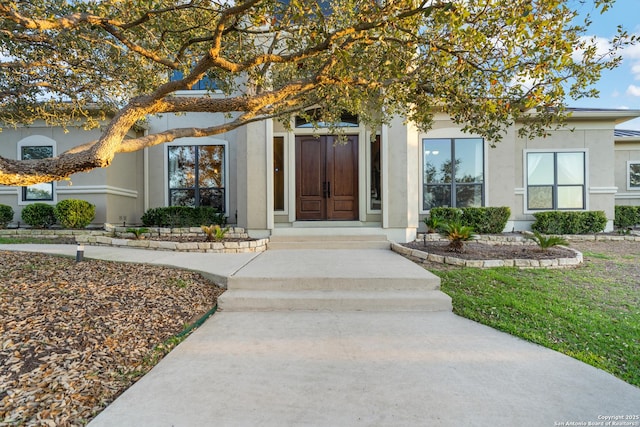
(74, 213)
(562, 222)
(6, 215)
(38, 215)
(443, 215)
(182, 216)
(626, 216)
(484, 220)
(487, 220)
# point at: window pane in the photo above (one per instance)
(42, 191)
(634, 175)
(213, 197)
(570, 168)
(540, 197)
(375, 190)
(182, 171)
(437, 161)
(39, 152)
(540, 169)
(211, 166)
(468, 195)
(469, 160)
(278, 173)
(436, 196)
(570, 197)
(182, 197)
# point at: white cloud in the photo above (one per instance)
(633, 90)
(602, 45)
(631, 52)
(635, 70)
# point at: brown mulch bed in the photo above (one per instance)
(73, 336)
(483, 251)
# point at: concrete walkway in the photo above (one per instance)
(326, 368)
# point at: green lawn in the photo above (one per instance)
(591, 313)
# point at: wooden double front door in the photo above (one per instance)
(326, 178)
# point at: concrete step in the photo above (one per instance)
(323, 241)
(334, 283)
(372, 301)
(334, 280)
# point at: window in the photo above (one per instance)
(278, 173)
(197, 176)
(37, 192)
(555, 180)
(347, 120)
(453, 173)
(204, 83)
(633, 175)
(376, 175)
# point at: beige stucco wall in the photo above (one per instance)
(626, 150)
(102, 187)
(505, 182)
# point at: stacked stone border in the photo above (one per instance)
(119, 237)
(421, 257)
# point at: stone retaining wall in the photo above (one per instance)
(119, 237)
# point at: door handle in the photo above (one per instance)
(329, 189)
(324, 190)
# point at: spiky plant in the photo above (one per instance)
(457, 234)
(547, 242)
(214, 232)
(433, 224)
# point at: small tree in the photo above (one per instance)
(486, 64)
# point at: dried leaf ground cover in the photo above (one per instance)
(73, 336)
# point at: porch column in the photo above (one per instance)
(253, 190)
(401, 185)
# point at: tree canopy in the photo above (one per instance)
(486, 63)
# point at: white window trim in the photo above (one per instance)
(525, 177)
(37, 141)
(629, 163)
(197, 141)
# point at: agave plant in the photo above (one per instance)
(546, 242)
(457, 234)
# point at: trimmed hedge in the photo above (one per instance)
(626, 216)
(74, 213)
(39, 215)
(569, 222)
(183, 216)
(485, 220)
(6, 215)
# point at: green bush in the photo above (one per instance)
(445, 215)
(626, 216)
(38, 215)
(6, 215)
(182, 216)
(485, 220)
(569, 222)
(74, 213)
(488, 220)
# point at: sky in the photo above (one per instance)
(619, 88)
